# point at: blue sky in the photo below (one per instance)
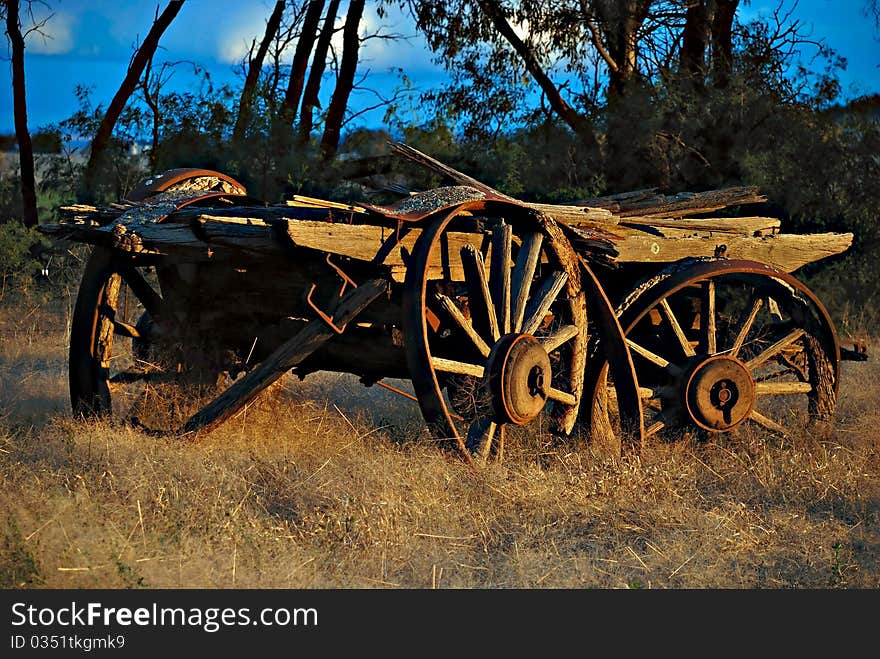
(91, 43)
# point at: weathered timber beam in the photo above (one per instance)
(743, 225)
(265, 214)
(788, 252)
(363, 241)
(289, 354)
(78, 214)
(253, 237)
(644, 203)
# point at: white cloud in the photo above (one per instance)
(409, 51)
(54, 36)
(241, 25)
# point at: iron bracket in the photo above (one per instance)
(327, 318)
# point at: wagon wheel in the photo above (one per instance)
(128, 361)
(719, 343)
(495, 325)
(129, 358)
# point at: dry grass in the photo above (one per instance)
(334, 485)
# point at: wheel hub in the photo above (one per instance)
(719, 393)
(519, 378)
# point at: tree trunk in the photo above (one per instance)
(576, 121)
(307, 36)
(620, 21)
(345, 81)
(722, 40)
(695, 40)
(19, 102)
(138, 63)
(255, 65)
(319, 63)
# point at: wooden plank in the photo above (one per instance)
(285, 357)
(299, 200)
(788, 252)
(568, 214)
(744, 225)
(253, 237)
(362, 241)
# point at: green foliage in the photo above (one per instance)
(18, 265)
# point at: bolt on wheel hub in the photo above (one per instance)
(719, 393)
(519, 378)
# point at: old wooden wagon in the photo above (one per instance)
(638, 316)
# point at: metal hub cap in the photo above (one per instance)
(519, 377)
(719, 394)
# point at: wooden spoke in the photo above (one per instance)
(523, 273)
(662, 420)
(499, 275)
(479, 437)
(498, 444)
(479, 298)
(125, 329)
(560, 336)
(544, 298)
(770, 424)
(781, 388)
(676, 329)
(775, 349)
(561, 396)
(151, 300)
(455, 313)
(746, 327)
(452, 366)
(645, 393)
(707, 317)
(445, 261)
(654, 428)
(653, 357)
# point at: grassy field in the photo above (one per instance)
(330, 484)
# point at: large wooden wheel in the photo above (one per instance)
(132, 357)
(495, 325)
(720, 343)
